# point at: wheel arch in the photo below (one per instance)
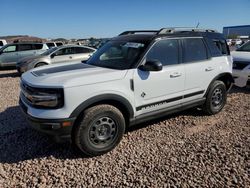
(112, 99)
(46, 63)
(227, 78)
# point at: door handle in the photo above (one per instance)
(70, 57)
(209, 69)
(175, 74)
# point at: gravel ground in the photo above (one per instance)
(182, 150)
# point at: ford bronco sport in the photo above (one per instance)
(135, 77)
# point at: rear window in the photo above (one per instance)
(194, 50)
(37, 46)
(24, 47)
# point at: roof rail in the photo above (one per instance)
(183, 29)
(169, 30)
(139, 31)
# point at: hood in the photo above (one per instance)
(29, 58)
(72, 75)
(241, 56)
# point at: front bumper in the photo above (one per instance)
(9, 64)
(21, 69)
(60, 129)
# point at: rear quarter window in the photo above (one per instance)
(218, 47)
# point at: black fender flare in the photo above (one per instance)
(104, 98)
(227, 74)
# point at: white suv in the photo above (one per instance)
(137, 76)
(241, 65)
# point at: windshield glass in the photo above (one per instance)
(51, 50)
(245, 47)
(117, 55)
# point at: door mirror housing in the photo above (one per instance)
(52, 55)
(151, 65)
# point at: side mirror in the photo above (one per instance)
(52, 55)
(151, 65)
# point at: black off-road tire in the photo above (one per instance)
(92, 126)
(216, 91)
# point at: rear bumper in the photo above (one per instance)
(60, 129)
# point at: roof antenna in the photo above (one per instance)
(197, 24)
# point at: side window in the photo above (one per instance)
(37, 46)
(245, 47)
(221, 46)
(1, 43)
(165, 51)
(79, 50)
(24, 47)
(11, 48)
(64, 51)
(50, 45)
(194, 50)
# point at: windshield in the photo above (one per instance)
(117, 55)
(51, 50)
(245, 47)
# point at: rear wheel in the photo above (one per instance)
(216, 98)
(100, 130)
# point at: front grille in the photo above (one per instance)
(239, 65)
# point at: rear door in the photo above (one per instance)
(25, 50)
(82, 54)
(63, 55)
(200, 69)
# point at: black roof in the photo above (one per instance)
(149, 35)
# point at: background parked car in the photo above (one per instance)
(10, 54)
(51, 44)
(2, 43)
(62, 54)
(241, 65)
(59, 43)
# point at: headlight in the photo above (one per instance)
(43, 97)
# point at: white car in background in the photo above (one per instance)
(2, 43)
(241, 65)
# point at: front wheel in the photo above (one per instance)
(216, 98)
(100, 130)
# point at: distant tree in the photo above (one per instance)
(233, 36)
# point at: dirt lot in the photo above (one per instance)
(185, 149)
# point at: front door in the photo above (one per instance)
(161, 89)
